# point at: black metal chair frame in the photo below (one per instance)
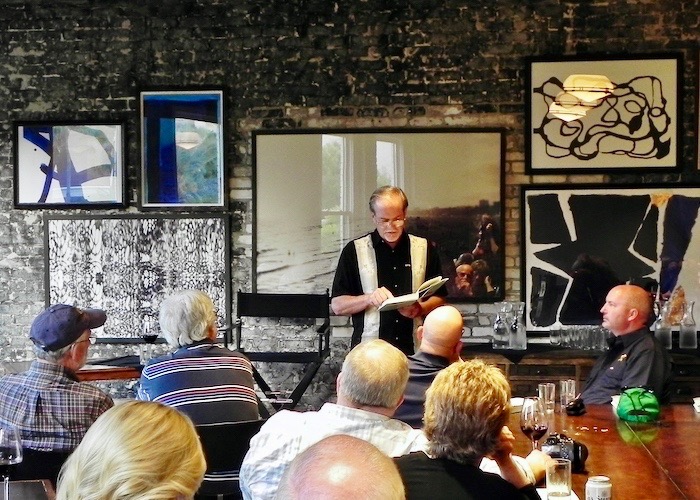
(274, 305)
(225, 446)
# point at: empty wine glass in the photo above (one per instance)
(10, 453)
(533, 420)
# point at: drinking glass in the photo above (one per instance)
(533, 420)
(559, 478)
(567, 392)
(149, 334)
(547, 392)
(10, 453)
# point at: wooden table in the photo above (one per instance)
(642, 461)
(106, 372)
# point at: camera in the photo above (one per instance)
(562, 446)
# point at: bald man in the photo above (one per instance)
(636, 358)
(440, 345)
(340, 467)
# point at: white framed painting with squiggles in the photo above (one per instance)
(604, 114)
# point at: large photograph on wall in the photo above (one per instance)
(182, 141)
(604, 114)
(69, 165)
(128, 264)
(312, 189)
(579, 242)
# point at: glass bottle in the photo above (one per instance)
(688, 337)
(500, 326)
(662, 327)
(518, 333)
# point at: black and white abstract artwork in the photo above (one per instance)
(128, 265)
(636, 126)
(580, 242)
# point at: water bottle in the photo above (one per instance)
(688, 337)
(662, 327)
(518, 333)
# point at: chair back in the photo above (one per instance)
(40, 465)
(225, 446)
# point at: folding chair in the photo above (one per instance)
(271, 305)
(225, 446)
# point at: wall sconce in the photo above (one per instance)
(187, 140)
(581, 93)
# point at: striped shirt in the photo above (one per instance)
(52, 410)
(205, 381)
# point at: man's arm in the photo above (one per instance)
(346, 305)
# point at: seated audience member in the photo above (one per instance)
(338, 468)
(635, 358)
(440, 346)
(370, 387)
(52, 410)
(203, 379)
(135, 451)
(466, 410)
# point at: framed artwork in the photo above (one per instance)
(312, 189)
(581, 241)
(182, 141)
(69, 165)
(604, 114)
(127, 264)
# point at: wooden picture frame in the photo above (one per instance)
(312, 189)
(578, 242)
(69, 165)
(182, 144)
(635, 127)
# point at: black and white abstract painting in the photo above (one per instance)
(634, 126)
(128, 264)
(580, 242)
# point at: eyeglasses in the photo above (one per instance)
(92, 339)
(390, 222)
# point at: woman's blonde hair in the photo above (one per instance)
(135, 450)
(466, 407)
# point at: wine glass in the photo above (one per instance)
(10, 453)
(533, 420)
(149, 335)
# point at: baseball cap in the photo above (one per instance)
(60, 325)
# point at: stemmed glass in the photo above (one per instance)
(533, 420)
(10, 453)
(149, 335)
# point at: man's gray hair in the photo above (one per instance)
(185, 317)
(387, 191)
(374, 373)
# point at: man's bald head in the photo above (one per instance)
(441, 332)
(340, 467)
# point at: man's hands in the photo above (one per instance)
(379, 295)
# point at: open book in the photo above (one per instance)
(424, 291)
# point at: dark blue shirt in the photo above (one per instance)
(422, 370)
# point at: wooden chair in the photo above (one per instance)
(305, 306)
(225, 446)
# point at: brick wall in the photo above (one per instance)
(302, 63)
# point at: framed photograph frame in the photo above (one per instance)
(578, 242)
(300, 232)
(573, 126)
(128, 263)
(69, 164)
(182, 145)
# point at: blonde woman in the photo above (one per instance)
(136, 450)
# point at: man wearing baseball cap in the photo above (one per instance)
(47, 403)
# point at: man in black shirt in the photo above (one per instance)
(385, 263)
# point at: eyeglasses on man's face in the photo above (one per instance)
(398, 222)
(92, 339)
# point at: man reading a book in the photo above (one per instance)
(386, 263)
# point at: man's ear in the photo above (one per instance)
(419, 335)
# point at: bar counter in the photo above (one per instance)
(642, 460)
